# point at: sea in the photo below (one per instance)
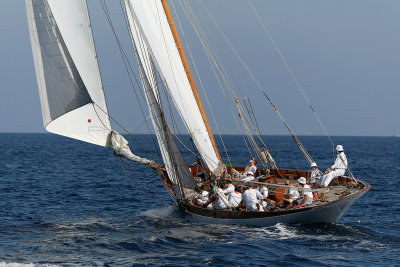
(67, 203)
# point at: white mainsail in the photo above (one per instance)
(175, 164)
(71, 91)
(153, 24)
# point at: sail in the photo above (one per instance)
(70, 88)
(175, 164)
(153, 24)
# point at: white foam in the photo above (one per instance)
(17, 264)
(163, 212)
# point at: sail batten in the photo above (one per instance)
(70, 88)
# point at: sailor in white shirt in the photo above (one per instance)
(251, 167)
(291, 194)
(235, 198)
(249, 177)
(201, 197)
(316, 174)
(251, 199)
(307, 198)
(337, 169)
(229, 189)
(264, 192)
(220, 204)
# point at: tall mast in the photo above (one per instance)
(189, 74)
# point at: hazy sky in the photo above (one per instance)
(344, 53)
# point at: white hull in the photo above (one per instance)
(329, 213)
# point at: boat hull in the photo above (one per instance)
(329, 213)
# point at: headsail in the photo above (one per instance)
(175, 164)
(156, 31)
(70, 87)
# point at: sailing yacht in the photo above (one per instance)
(73, 105)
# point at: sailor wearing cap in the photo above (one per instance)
(251, 167)
(307, 198)
(316, 174)
(337, 169)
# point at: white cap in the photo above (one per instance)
(339, 148)
(313, 164)
(302, 180)
(252, 161)
(250, 172)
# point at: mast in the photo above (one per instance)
(188, 73)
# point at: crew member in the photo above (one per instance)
(307, 197)
(316, 174)
(337, 169)
(251, 167)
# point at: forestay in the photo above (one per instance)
(70, 87)
(152, 21)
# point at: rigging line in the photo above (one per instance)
(255, 80)
(173, 72)
(214, 65)
(95, 53)
(288, 68)
(201, 83)
(127, 65)
(250, 115)
(306, 154)
(195, 139)
(211, 55)
(254, 115)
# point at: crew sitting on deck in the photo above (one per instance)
(251, 199)
(263, 189)
(201, 196)
(337, 169)
(235, 198)
(251, 167)
(307, 196)
(249, 177)
(291, 194)
(315, 175)
(219, 197)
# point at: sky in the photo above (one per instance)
(345, 54)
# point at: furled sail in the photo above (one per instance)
(175, 164)
(156, 31)
(71, 91)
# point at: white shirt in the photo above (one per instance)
(246, 178)
(201, 197)
(235, 199)
(248, 168)
(340, 162)
(315, 174)
(306, 192)
(220, 203)
(229, 190)
(251, 197)
(264, 192)
(292, 191)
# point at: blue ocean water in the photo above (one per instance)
(67, 203)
